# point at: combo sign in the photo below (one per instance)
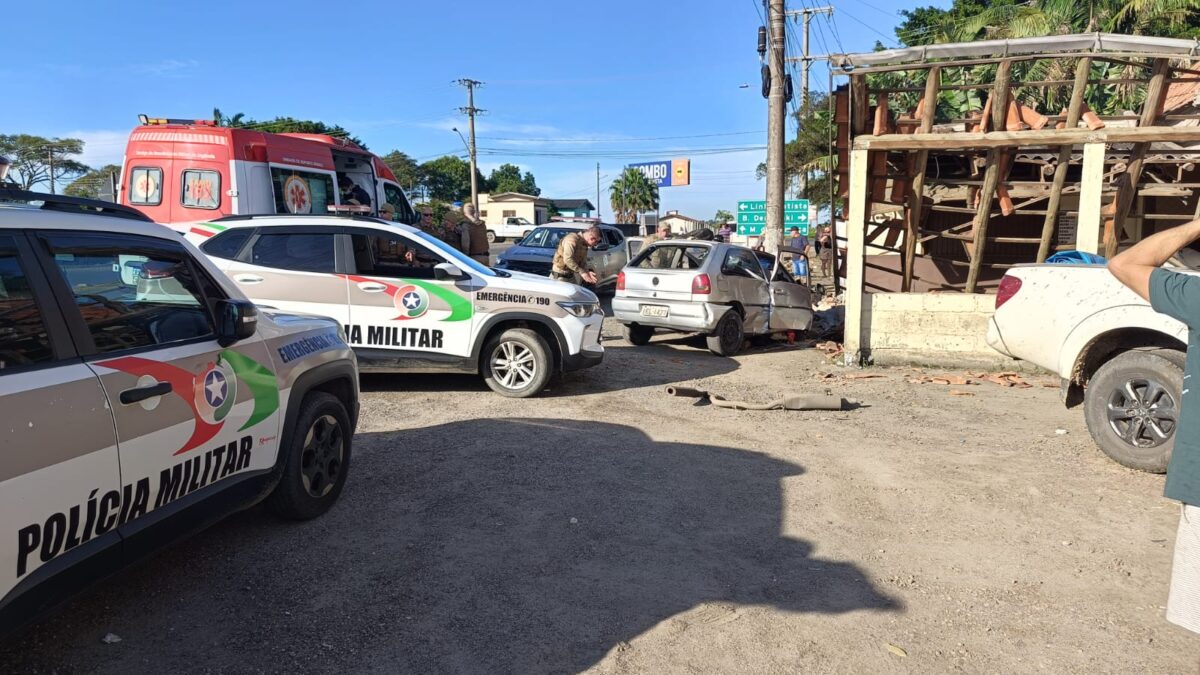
(673, 173)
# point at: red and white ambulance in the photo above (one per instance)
(181, 172)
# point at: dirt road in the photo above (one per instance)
(605, 526)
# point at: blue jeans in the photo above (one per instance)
(800, 267)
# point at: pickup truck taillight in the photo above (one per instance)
(1009, 285)
(701, 285)
(621, 280)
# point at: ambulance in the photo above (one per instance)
(180, 172)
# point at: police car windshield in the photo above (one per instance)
(455, 256)
(547, 237)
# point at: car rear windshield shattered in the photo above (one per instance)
(671, 257)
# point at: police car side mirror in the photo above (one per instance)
(445, 271)
(236, 320)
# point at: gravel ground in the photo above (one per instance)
(606, 526)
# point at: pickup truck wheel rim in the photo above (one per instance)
(1142, 413)
(513, 365)
(321, 458)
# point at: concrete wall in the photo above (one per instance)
(938, 329)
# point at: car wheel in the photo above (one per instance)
(638, 335)
(1132, 407)
(517, 363)
(316, 461)
(491, 237)
(727, 339)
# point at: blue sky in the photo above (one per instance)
(579, 79)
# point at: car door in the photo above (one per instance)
(616, 258)
(292, 268)
(742, 280)
(191, 415)
(60, 478)
(397, 303)
(791, 302)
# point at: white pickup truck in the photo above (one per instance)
(511, 228)
(1118, 357)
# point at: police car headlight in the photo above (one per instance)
(502, 263)
(581, 310)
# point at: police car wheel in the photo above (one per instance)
(317, 459)
(517, 363)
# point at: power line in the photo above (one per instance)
(871, 28)
(619, 140)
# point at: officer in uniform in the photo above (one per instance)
(571, 257)
(474, 236)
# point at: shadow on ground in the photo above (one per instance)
(506, 546)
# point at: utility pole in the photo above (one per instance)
(471, 111)
(599, 214)
(776, 126)
(805, 64)
(50, 154)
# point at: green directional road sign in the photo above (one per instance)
(752, 216)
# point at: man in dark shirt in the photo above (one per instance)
(352, 193)
(1176, 294)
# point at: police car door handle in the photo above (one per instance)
(248, 279)
(137, 394)
(371, 287)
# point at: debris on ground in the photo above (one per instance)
(111, 639)
(942, 379)
(828, 323)
(789, 402)
(863, 376)
(829, 348)
(1005, 379)
(959, 392)
(898, 651)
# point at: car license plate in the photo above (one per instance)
(659, 311)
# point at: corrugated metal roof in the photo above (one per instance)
(1090, 43)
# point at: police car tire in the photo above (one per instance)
(290, 499)
(1159, 366)
(638, 335)
(543, 362)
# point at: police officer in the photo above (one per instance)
(474, 236)
(571, 258)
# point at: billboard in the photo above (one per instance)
(671, 173)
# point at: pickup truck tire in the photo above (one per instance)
(517, 363)
(727, 339)
(316, 463)
(638, 335)
(492, 238)
(1132, 407)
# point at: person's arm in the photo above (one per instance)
(1134, 266)
(464, 235)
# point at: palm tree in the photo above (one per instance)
(230, 121)
(632, 193)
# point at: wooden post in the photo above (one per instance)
(991, 177)
(1074, 109)
(859, 104)
(1091, 185)
(917, 196)
(1156, 89)
(856, 225)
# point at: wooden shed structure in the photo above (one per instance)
(998, 182)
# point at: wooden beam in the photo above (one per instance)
(1074, 109)
(1091, 185)
(1127, 189)
(916, 199)
(859, 104)
(991, 176)
(856, 226)
(1023, 139)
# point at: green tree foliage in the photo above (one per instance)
(508, 178)
(285, 125)
(94, 183)
(632, 193)
(31, 158)
(448, 178)
(408, 172)
(722, 217)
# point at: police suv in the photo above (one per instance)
(142, 397)
(409, 302)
